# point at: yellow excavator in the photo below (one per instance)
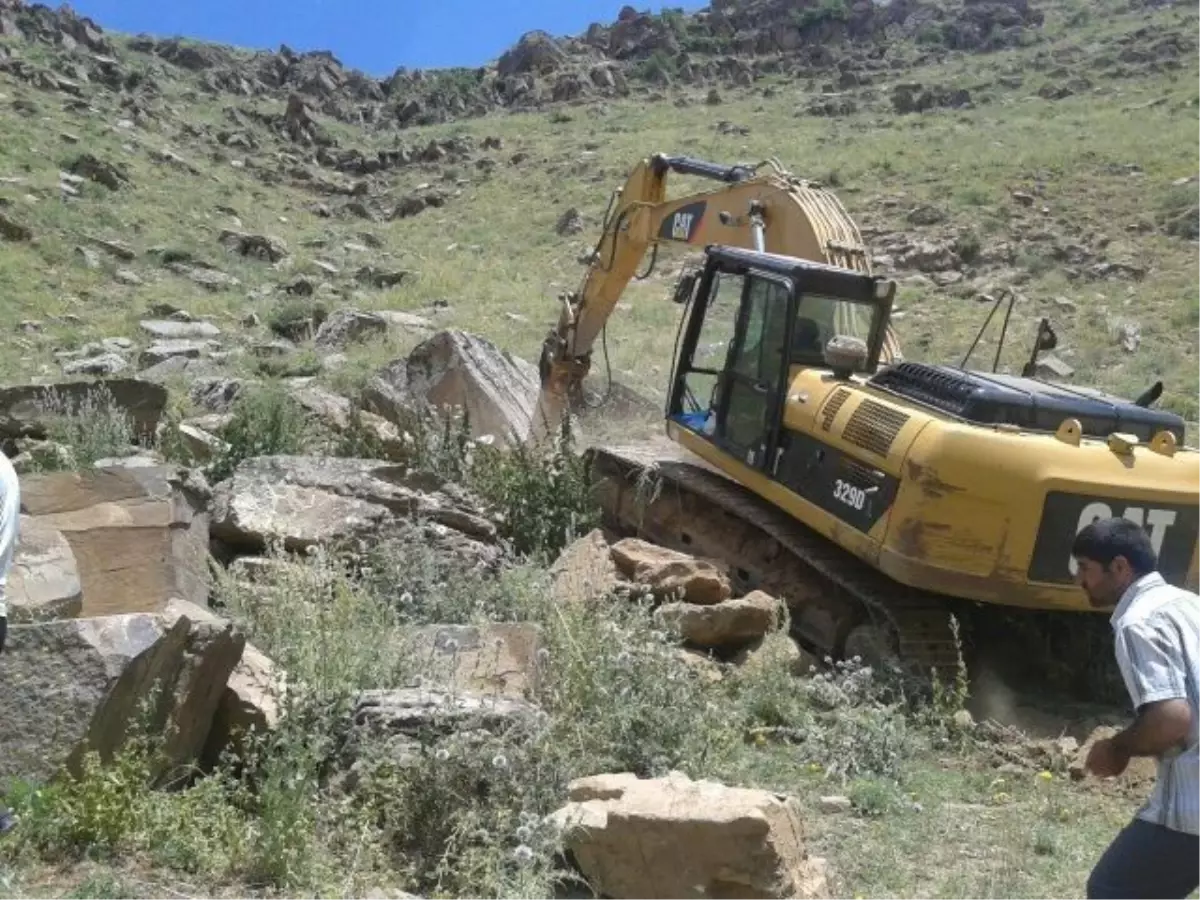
(876, 495)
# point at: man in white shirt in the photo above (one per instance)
(10, 525)
(1156, 629)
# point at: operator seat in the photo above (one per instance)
(806, 339)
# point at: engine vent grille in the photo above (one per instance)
(874, 426)
(832, 406)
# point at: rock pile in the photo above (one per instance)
(694, 597)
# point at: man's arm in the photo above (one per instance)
(1152, 663)
(1160, 726)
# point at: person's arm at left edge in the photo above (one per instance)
(1155, 679)
(10, 526)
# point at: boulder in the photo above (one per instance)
(405, 321)
(203, 445)
(779, 651)
(670, 574)
(674, 837)
(77, 685)
(259, 246)
(386, 393)
(338, 413)
(304, 501)
(161, 351)
(584, 571)
(139, 534)
(453, 369)
(536, 52)
(347, 326)
(730, 623)
(249, 697)
(43, 583)
(926, 256)
(413, 710)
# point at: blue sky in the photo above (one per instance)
(376, 36)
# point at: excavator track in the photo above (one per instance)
(840, 606)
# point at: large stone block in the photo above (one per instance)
(139, 534)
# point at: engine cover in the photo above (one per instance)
(990, 399)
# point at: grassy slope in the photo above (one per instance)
(492, 253)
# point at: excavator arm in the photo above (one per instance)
(771, 211)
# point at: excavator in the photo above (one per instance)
(881, 498)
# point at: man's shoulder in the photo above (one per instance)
(8, 474)
(1159, 606)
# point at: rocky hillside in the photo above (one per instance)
(731, 43)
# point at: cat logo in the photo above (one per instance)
(681, 225)
(1155, 521)
(1171, 527)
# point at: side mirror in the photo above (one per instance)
(685, 287)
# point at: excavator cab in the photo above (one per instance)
(752, 319)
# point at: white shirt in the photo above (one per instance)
(10, 524)
(1157, 632)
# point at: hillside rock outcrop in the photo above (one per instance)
(732, 41)
(456, 370)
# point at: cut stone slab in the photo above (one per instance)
(211, 654)
(249, 703)
(139, 534)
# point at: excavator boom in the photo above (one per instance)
(762, 208)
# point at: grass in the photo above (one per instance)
(931, 813)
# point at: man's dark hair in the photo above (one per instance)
(1106, 539)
